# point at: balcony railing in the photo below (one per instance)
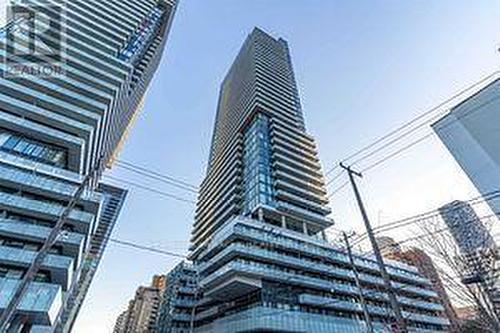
(42, 207)
(142, 37)
(42, 301)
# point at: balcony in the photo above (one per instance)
(304, 183)
(206, 313)
(41, 329)
(421, 304)
(7, 101)
(184, 303)
(71, 243)
(76, 110)
(248, 228)
(47, 85)
(315, 207)
(303, 137)
(301, 191)
(73, 143)
(300, 263)
(304, 213)
(414, 289)
(320, 248)
(44, 185)
(279, 160)
(41, 303)
(187, 290)
(329, 302)
(377, 310)
(296, 146)
(44, 209)
(223, 276)
(60, 267)
(142, 38)
(238, 267)
(299, 157)
(40, 167)
(426, 319)
(181, 317)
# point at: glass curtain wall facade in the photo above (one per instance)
(257, 172)
(258, 240)
(179, 299)
(54, 130)
(466, 227)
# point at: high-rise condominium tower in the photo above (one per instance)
(56, 129)
(476, 246)
(467, 229)
(141, 315)
(258, 240)
(176, 313)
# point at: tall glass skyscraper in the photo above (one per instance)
(56, 129)
(258, 242)
(476, 247)
(466, 227)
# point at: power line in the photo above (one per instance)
(385, 159)
(415, 120)
(332, 169)
(395, 140)
(340, 174)
(421, 139)
(150, 189)
(436, 212)
(398, 152)
(338, 189)
(425, 216)
(439, 231)
(147, 248)
(416, 142)
(155, 177)
(152, 173)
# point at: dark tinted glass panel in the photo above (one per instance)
(33, 149)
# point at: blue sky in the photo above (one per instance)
(363, 68)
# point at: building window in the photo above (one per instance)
(257, 173)
(28, 245)
(9, 272)
(35, 221)
(141, 39)
(43, 276)
(35, 150)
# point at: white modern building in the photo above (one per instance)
(471, 132)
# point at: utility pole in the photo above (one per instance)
(369, 325)
(400, 321)
(53, 237)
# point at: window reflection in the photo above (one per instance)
(257, 174)
(35, 150)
